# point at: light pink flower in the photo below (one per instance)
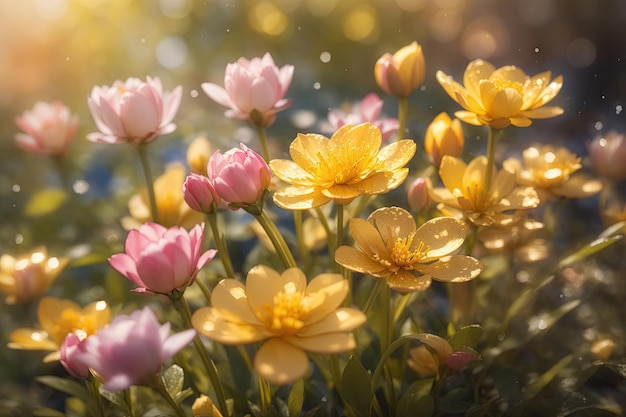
(367, 110)
(239, 176)
(254, 89)
(199, 193)
(71, 351)
(417, 195)
(131, 350)
(48, 128)
(160, 260)
(608, 153)
(133, 111)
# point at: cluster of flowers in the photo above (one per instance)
(291, 313)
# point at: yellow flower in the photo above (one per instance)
(602, 349)
(444, 136)
(502, 97)
(390, 247)
(28, 277)
(293, 316)
(171, 206)
(204, 407)
(465, 194)
(58, 318)
(401, 73)
(426, 362)
(341, 168)
(550, 171)
(516, 239)
(198, 154)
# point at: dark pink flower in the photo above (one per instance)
(133, 111)
(160, 260)
(48, 128)
(71, 350)
(254, 89)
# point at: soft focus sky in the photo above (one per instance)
(59, 49)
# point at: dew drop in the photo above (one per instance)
(193, 93)
(598, 125)
(618, 109)
(536, 50)
(317, 86)
(325, 57)
(603, 96)
(142, 40)
(19, 238)
(16, 188)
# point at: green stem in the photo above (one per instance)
(297, 224)
(265, 394)
(142, 149)
(263, 140)
(204, 289)
(162, 389)
(59, 162)
(96, 399)
(380, 282)
(459, 293)
(492, 138)
(338, 235)
(330, 236)
(403, 105)
(386, 331)
(129, 402)
(222, 248)
(277, 239)
(180, 303)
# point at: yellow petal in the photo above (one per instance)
(357, 261)
(50, 309)
(307, 149)
(290, 172)
(443, 235)
(99, 311)
(549, 93)
(31, 339)
(396, 155)
(367, 238)
(503, 184)
(341, 192)
(519, 198)
(392, 222)
(263, 283)
(449, 85)
(230, 299)
(280, 362)
(341, 320)
(543, 112)
(476, 70)
(327, 343)
(364, 138)
(404, 281)
(509, 73)
(210, 322)
(506, 103)
(451, 172)
(578, 186)
(469, 117)
(456, 268)
(533, 87)
(299, 198)
(443, 195)
(331, 290)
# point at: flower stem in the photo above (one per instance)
(277, 239)
(403, 106)
(386, 331)
(142, 149)
(222, 248)
(96, 399)
(297, 223)
(265, 394)
(128, 398)
(492, 138)
(182, 306)
(459, 293)
(263, 140)
(162, 389)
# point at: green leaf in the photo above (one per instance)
(183, 395)
(174, 377)
(296, 398)
(466, 336)
(255, 409)
(413, 404)
(47, 412)
(534, 387)
(548, 319)
(116, 397)
(577, 402)
(356, 385)
(525, 296)
(65, 385)
(589, 249)
(44, 202)
(313, 411)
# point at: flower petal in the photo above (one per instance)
(456, 268)
(280, 362)
(443, 235)
(368, 238)
(327, 343)
(341, 320)
(392, 222)
(214, 325)
(403, 281)
(357, 261)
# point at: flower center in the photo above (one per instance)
(403, 256)
(284, 315)
(73, 321)
(503, 84)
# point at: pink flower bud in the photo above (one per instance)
(239, 176)
(48, 128)
(133, 111)
(254, 90)
(608, 153)
(419, 199)
(199, 193)
(160, 260)
(459, 360)
(132, 349)
(71, 351)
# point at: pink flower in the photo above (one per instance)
(608, 153)
(254, 90)
(133, 111)
(367, 110)
(48, 128)
(199, 193)
(417, 195)
(239, 176)
(131, 350)
(71, 351)
(160, 260)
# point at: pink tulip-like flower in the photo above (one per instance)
(160, 260)
(367, 110)
(199, 193)
(48, 128)
(239, 176)
(417, 195)
(131, 350)
(608, 153)
(254, 90)
(71, 351)
(133, 111)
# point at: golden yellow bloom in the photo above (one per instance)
(401, 73)
(602, 349)
(390, 247)
(204, 407)
(58, 318)
(26, 278)
(444, 136)
(198, 154)
(517, 239)
(347, 165)
(293, 316)
(465, 194)
(171, 206)
(550, 171)
(425, 363)
(502, 97)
